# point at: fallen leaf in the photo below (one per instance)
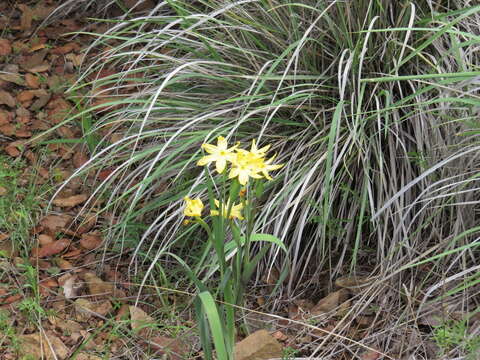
(12, 150)
(8, 129)
(59, 109)
(5, 117)
(87, 224)
(90, 241)
(40, 102)
(32, 81)
(69, 288)
(330, 302)
(41, 11)
(26, 18)
(371, 355)
(5, 47)
(97, 286)
(13, 78)
(7, 248)
(65, 49)
(39, 68)
(79, 159)
(34, 60)
(139, 318)
(12, 298)
(176, 349)
(49, 283)
(7, 99)
(64, 264)
(71, 200)
(351, 282)
(45, 239)
(86, 309)
(3, 191)
(25, 95)
(37, 47)
(53, 248)
(56, 222)
(34, 345)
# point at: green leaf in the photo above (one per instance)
(216, 329)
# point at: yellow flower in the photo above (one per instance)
(244, 167)
(264, 167)
(235, 211)
(194, 207)
(219, 154)
(258, 152)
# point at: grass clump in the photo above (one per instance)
(372, 106)
(20, 201)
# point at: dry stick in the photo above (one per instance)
(273, 316)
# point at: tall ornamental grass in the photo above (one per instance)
(371, 105)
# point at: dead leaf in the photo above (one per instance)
(49, 283)
(351, 282)
(69, 288)
(87, 224)
(32, 81)
(7, 99)
(175, 348)
(40, 102)
(97, 286)
(26, 18)
(79, 159)
(330, 302)
(7, 248)
(56, 222)
(12, 149)
(39, 68)
(42, 11)
(90, 241)
(3, 191)
(34, 345)
(8, 129)
(25, 95)
(37, 47)
(5, 117)
(64, 264)
(5, 47)
(52, 248)
(34, 60)
(371, 355)
(59, 109)
(139, 318)
(12, 298)
(71, 200)
(44, 239)
(65, 49)
(86, 309)
(23, 133)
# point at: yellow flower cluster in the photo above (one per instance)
(245, 164)
(194, 208)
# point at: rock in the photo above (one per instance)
(34, 345)
(258, 346)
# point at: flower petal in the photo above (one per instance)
(221, 164)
